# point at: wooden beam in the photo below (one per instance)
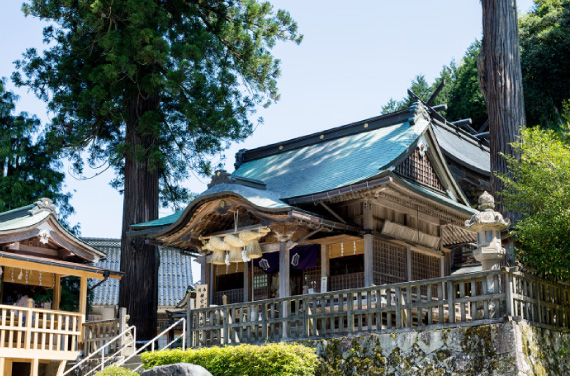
(56, 292)
(83, 296)
(30, 265)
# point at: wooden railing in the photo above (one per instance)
(543, 303)
(465, 299)
(98, 333)
(24, 329)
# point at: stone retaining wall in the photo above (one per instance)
(510, 348)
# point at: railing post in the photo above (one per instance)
(189, 308)
(305, 317)
(264, 321)
(349, 317)
(122, 325)
(450, 302)
(29, 319)
(398, 293)
(284, 316)
(226, 334)
(184, 334)
(509, 292)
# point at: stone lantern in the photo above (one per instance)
(488, 225)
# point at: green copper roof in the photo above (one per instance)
(169, 219)
(27, 220)
(261, 198)
(333, 164)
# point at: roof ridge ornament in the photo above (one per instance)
(43, 203)
(417, 112)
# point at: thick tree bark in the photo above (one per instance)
(140, 261)
(501, 83)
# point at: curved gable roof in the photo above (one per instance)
(333, 164)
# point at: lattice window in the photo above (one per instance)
(420, 169)
(260, 284)
(389, 263)
(312, 276)
(425, 267)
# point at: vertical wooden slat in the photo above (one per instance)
(450, 302)
(409, 306)
(349, 317)
(430, 309)
(462, 295)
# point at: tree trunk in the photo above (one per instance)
(501, 83)
(139, 286)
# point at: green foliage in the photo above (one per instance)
(545, 61)
(70, 288)
(460, 91)
(271, 359)
(29, 168)
(184, 76)
(539, 190)
(116, 371)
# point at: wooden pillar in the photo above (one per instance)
(2, 366)
(284, 284)
(368, 224)
(211, 283)
(204, 277)
(34, 367)
(246, 282)
(409, 262)
(442, 265)
(284, 273)
(325, 263)
(56, 292)
(83, 296)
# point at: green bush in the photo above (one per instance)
(272, 359)
(116, 371)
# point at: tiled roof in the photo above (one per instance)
(333, 164)
(174, 274)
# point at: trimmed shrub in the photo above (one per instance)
(116, 371)
(272, 359)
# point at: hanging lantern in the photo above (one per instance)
(218, 258)
(253, 249)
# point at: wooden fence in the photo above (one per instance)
(28, 329)
(97, 333)
(484, 297)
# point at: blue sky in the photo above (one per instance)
(353, 59)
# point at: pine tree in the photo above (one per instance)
(153, 88)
